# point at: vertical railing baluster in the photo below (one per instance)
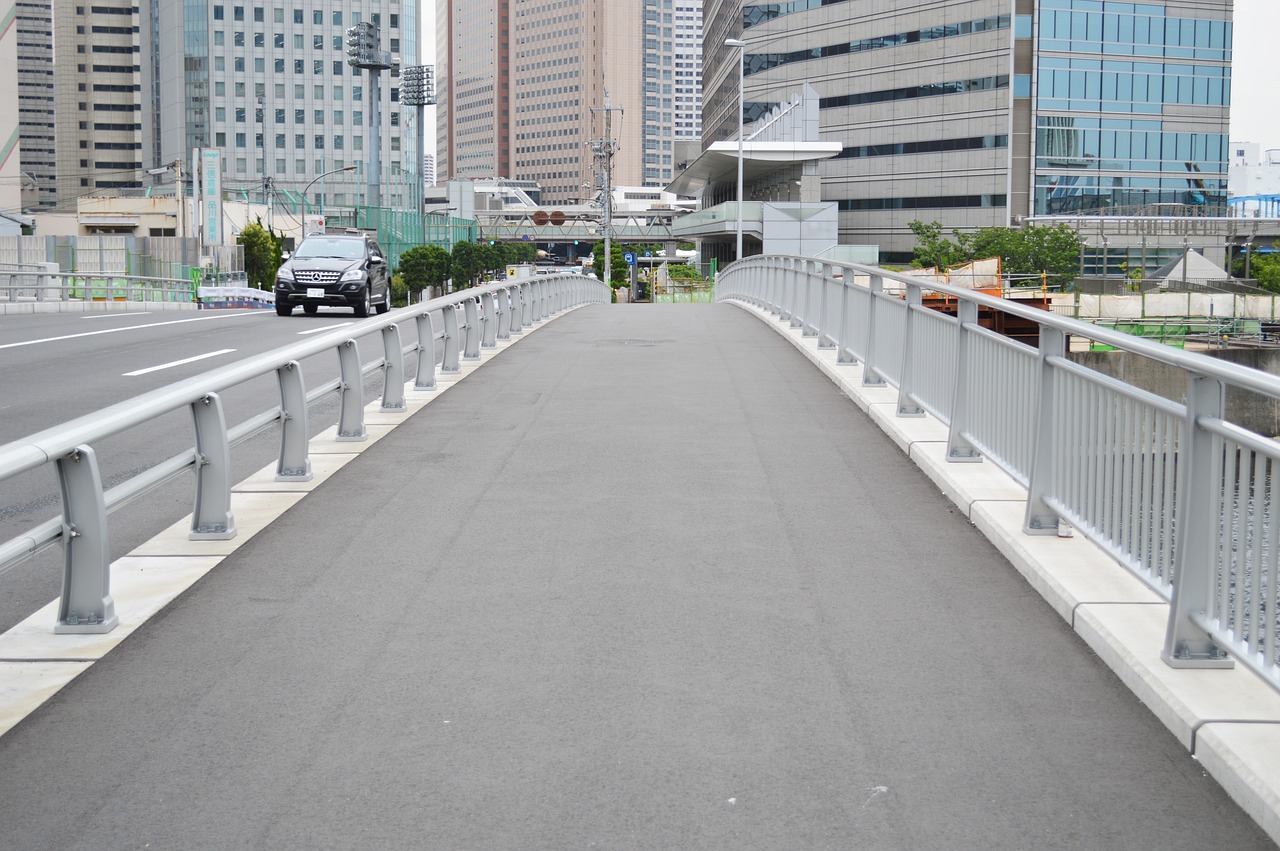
(870, 374)
(959, 447)
(1200, 489)
(211, 518)
(393, 370)
(425, 376)
(907, 404)
(294, 465)
(1040, 519)
(86, 605)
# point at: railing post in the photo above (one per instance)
(1040, 518)
(810, 282)
(526, 306)
(425, 377)
(798, 292)
(393, 369)
(517, 310)
(503, 297)
(294, 465)
(471, 316)
(870, 375)
(350, 394)
(1200, 501)
(844, 354)
(489, 335)
(86, 605)
(211, 519)
(907, 404)
(826, 340)
(958, 446)
(449, 359)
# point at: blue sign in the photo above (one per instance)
(630, 257)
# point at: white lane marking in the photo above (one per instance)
(324, 328)
(128, 328)
(114, 315)
(176, 363)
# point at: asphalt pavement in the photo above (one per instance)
(644, 580)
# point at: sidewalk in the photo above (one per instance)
(645, 579)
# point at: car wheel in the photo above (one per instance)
(310, 309)
(385, 304)
(362, 307)
(283, 309)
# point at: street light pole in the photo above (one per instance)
(318, 178)
(742, 49)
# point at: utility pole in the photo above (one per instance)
(266, 190)
(182, 212)
(603, 151)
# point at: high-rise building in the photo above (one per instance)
(271, 88)
(35, 100)
(525, 86)
(688, 70)
(139, 86)
(979, 113)
(97, 129)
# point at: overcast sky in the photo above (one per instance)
(1255, 71)
(1255, 100)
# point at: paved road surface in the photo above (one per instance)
(646, 580)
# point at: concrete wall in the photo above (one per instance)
(1245, 409)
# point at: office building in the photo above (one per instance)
(269, 85)
(525, 86)
(35, 101)
(139, 87)
(980, 113)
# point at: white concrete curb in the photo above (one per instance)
(1227, 719)
(35, 663)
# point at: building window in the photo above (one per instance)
(259, 40)
(239, 115)
(299, 140)
(317, 17)
(297, 66)
(258, 15)
(219, 38)
(337, 143)
(278, 41)
(238, 64)
(280, 144)
(239, 140)
(297, 16)
(237, 12)
(319, 142)
(337, 19)
(299, 116)
(337, 67)
(218, 14)
(278, 66)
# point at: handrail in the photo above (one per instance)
(1168, 488)
(490, 312)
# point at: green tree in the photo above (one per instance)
(262, 254)
(423, 266)
(932, 248)
(466, 263)
(1263, 268)
(1035, 250)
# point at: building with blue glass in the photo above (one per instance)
(978, 113)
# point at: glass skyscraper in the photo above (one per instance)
(979, 113)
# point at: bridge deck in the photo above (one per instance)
(647, 579)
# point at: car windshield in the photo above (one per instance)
(343, 249)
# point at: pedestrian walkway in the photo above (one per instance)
(647, 579)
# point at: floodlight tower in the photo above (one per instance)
(364, 51)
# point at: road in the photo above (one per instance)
(60, 366)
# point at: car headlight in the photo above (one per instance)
(356, 274)
(284, 273)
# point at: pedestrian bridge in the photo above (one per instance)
(814, 566)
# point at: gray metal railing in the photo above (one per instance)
(459, 325)
(18, 285)
(1170, 489)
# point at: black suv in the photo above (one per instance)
(335, 269)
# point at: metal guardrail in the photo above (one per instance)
(44, 286)
(461, 323)
(1171, 490)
